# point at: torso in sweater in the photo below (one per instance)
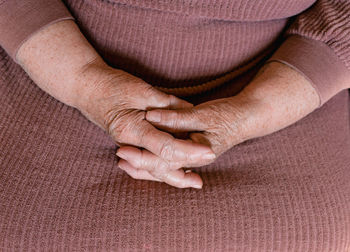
(232, 10)
(177, 43)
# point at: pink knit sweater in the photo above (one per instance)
(211, 39)
(60, 187)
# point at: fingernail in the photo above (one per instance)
(121, 155)
(197, 186)
(153, 116)
(120, 166)
(208, 156)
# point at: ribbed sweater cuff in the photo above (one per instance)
(20, 19)
(317, 62)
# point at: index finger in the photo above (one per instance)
(177, 178)
(169, 148)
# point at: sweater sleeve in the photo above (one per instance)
(317, 44)
(20, 19)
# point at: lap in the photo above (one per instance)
(61, 188)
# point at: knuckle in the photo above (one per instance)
(142, 134)
(185, 117)
(148, 91)
(162, 99)
(159, 175)
(136, 174)
(171, 99)
(142, 161)
(166, 149)
(151, 91)
(164, 176)
(113, 125)
(172, 117)
(121, 125)
(160, 170)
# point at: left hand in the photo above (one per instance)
(277, 97)
(219, 124)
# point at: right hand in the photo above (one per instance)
(117, 102)
(62, 63)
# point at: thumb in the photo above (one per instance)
(180, 120)
(159, 99)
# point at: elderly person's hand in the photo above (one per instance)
(61, 62)
(117, 101)
(277, 97)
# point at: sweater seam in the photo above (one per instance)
(323, 44)
(37, 31)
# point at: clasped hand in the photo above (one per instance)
(143, 120)
(219, 124)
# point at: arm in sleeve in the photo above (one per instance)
(20, 19)
(317, 44)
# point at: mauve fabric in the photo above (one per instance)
(60, 187)
(181, 44)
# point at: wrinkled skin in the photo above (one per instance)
(118, 102)
(62, 63)
(218, 124)
(277, 97)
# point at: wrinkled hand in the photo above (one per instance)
(219, 124)
(62, 63)
(118, 102)
(277, 97)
